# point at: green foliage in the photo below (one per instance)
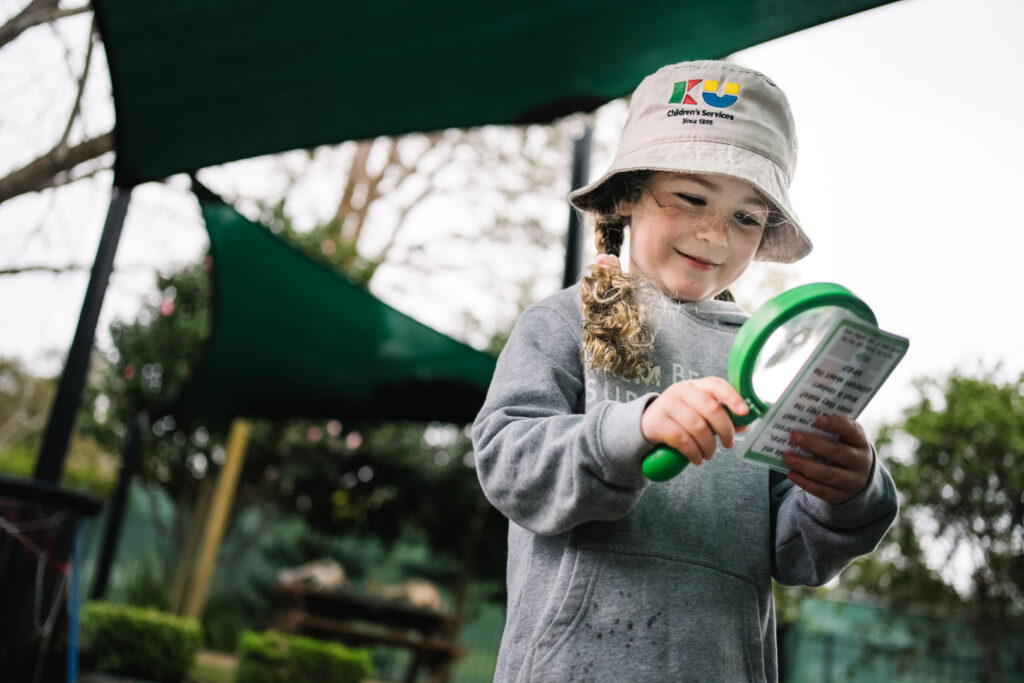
(270, 657)
(327, 243)
(213, 668)
(956, 463)
(367, 479)
(152, 359)
(965, 469)
(24, 406)
(138, 642)
(18, 461)
(347, 478)
(147, 585)
(788, 599)
(344, 479)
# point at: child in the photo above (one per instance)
(611, 577)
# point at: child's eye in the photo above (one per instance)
(691, 199)
(747, 219)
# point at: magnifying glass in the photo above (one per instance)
(768, 352)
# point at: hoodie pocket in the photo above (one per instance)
(632, 616)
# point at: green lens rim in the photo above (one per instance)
(773, 314)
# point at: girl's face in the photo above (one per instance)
(694, 234)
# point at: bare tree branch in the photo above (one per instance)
(385, 251)
(68, 177)
(81, 87)
(21, 422)
(42, 173)
(56, 270)
(72, 268)
(356, 175)
(37, 12)
(428, 189)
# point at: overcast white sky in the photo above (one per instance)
(909, 119)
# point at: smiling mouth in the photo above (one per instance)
(696, 262)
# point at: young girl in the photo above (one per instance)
(611, 577)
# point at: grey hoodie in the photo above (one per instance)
(612, 577)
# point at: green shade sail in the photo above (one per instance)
(204, 82)
(291, 337)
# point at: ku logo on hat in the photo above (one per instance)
(681, 93)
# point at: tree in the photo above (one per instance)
(393, 225)
(24, 403)
(35, 13)
(386, 187)
(69, 157)
(955, 461)
(392, 481)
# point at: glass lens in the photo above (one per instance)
(787, 349)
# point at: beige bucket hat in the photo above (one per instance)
(714, 117)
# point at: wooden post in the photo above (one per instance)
(227, 482)
(184, 575)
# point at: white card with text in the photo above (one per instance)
(841, 376)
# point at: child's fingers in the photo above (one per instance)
(689, 416)
(845, 462)
(707, 397)
(689, 445)
(833, 450)
(663, 422)
(671, 421)
(836, 451)
(691, 435)
(848, 429)
(827, 493)
(823, 474)
(723, 392)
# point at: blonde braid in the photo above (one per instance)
(609, 234)
(616, 335)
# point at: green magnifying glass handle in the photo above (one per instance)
(665, 462)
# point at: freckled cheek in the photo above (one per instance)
(652, 243)
(746, 246)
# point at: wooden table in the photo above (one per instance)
(360, 621)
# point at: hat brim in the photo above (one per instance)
(783, 242)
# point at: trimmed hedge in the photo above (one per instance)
(138, 641)
(271, 657)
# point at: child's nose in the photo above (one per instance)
(714, 230)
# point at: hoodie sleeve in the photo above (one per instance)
(542, 462)
(815, 540)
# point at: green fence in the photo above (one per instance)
(834, 641)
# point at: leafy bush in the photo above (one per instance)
(145, 583)
(138, 641)
(270, 657)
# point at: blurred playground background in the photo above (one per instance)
(908, 132)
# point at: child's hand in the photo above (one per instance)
(849, 460)
(689, 415)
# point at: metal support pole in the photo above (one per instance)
(115, 514)
(574, 237)
(69, 391)
(74, 604)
